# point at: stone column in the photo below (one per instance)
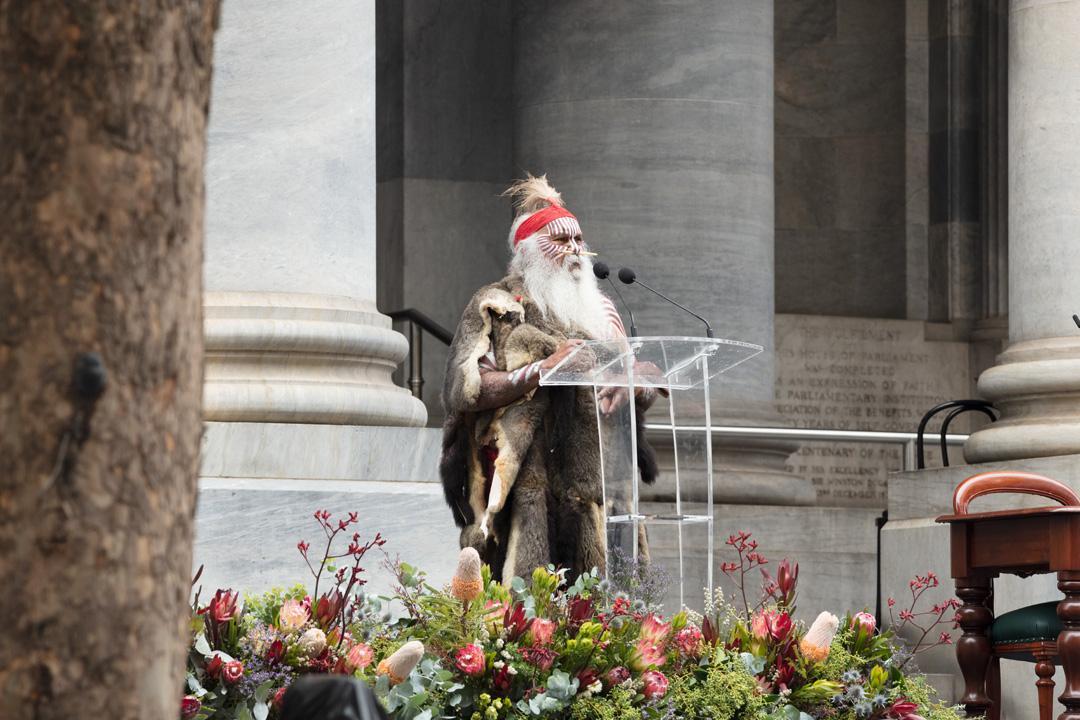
(655, 121)
(1036, 382)
(292, 331)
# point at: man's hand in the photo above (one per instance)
(561, 353)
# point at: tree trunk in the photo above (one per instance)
(103, 109)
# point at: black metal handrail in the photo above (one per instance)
(419, 323)
(958, 407)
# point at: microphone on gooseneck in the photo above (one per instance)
(629, 277)
(601, 270)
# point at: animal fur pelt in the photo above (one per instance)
(544, 448)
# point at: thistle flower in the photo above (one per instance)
(467, 584)
(815, 644)
(398, 666)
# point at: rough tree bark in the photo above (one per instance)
(103, 108)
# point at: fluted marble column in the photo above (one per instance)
(655, 121)
(292, 330)
(1036, 381)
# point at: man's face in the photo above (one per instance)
(562, 247)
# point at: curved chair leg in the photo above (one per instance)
(1044, 668)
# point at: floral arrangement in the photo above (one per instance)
(543, 647)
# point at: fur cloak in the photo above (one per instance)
(545, 447)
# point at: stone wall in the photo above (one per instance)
(861, 374)
(840, 149)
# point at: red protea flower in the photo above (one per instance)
(279, 698)
(579, 611)
(275, 652)
(501, 679)
(222, 607)
(232, 672)
(656, 684)
(902, 709)
(587, 677)
(470, 660)
(515, 622)
(189, 707)
(214, 666)
(539, 657)
(616, 676)
(328, 607)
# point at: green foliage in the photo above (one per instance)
(916, 689)
(840, 659)
(265, 607)
(720, 691)
(619, 704)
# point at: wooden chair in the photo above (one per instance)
(979, 553)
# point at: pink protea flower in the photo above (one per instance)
(470, 660)
(689, 640)
(189, 707)
(279, 698)
(647, 654)
(232, 672)
(359, 657)
(292, 615)
(864, 622)
(655, 630)
(656, 684)
(542, 631)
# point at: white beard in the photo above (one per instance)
(567, 294)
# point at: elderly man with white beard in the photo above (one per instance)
(520, 465)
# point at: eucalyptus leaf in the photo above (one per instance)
(202, 645)
(242, 713)
(263, 691)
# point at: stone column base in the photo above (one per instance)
(303, 358)
(1036, 386)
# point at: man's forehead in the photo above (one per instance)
(563, 227)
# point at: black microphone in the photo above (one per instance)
(629, 277)
(601, 270)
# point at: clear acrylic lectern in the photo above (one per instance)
(679, 370)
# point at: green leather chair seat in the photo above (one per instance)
(1033, 623)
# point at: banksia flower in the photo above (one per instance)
(398, 666)
(467, 584)
(815, 644)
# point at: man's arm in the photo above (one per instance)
(499, 388)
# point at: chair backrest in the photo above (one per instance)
(1006, 481)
